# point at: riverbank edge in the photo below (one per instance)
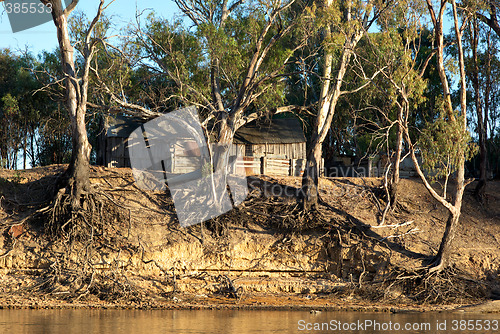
(255, 304)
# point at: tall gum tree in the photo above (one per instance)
(404, 76)
(346, 21)
(487, 12)
(76, 180)
(395, 51)
(443, 257)
(261, 50)
(480, 102)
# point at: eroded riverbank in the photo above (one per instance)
(261, 255)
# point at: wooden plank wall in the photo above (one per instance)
(116, 153)
(185, 164)
(276, 166)
(276, 151)
(270, 166)
(248, 166)
(282, 159)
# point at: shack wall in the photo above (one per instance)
(276, 151)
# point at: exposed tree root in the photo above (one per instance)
(89, 250)
(450, 285)
(70, 234)
(420, 287)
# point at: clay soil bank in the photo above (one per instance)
(263, 255)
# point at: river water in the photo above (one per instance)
(239, 322)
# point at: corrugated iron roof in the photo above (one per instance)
(122, 126)
(277, 131)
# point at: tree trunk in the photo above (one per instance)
(101, 141)
(310, 178)
(77, 175)
(481, 186)
(32, 150)
(486, 110)
(330, 95)
(79, 169)
(14, 160)
(3, 156)
(393, 186)
(442, 258)
(25, 149)
(480, 190)
(226, 134)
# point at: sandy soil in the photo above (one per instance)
(407, 238)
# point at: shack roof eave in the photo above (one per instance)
(277, 131)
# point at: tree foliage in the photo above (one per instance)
(443, 145)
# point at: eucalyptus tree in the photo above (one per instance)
(446, 141)
(20, 108)
(53, 133)
(230, 62)
(343, 25)
(480, 62)
(481, 109)
(392, 98)
(9, 109)
(76, 83)
(10, 140)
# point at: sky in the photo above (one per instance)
(43, 37)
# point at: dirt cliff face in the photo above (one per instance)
(266, 246)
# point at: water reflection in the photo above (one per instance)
(240, 322)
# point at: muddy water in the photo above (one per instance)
(239, 322)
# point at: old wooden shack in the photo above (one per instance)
(278, 139)
(113, 151)
(274, 147)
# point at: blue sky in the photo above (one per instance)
(43, 37)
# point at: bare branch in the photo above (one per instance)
(369, 80)
(70, 7)
(255, 115)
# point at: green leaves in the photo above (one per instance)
(230, 59)
(444, 144)
(10, 106)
